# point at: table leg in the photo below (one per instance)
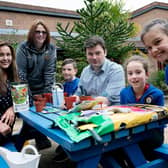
(135, 154)
(90, 162)
(109, 162)
(3, 163)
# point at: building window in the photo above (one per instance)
(9, 22)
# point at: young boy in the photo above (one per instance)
(69, 71)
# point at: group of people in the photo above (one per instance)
(35, 63)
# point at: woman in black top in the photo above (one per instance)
(8, 73)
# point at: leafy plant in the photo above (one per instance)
(158, 80)
(99, 17)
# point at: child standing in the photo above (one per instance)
(69, 71)
(141, 92)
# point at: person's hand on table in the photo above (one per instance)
(77, 98)
(4, 128)
(102, 99)
(63, 106)
(8, 117)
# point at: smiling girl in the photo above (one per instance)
(141, 92)
(155, 38)
(8, 73)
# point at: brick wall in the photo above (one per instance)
(141, 20)
(24, 21)
(16, 20)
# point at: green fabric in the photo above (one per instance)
(69, 124)
(107, 123)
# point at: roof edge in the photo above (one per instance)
(39, 12)
(147, 10)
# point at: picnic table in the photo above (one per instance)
(88, 152)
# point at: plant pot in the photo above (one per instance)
(84, 98)
(39, 106)
(37, 97)
(42, 101)
(69, 101)
(48, 97)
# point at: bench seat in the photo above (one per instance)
(162, 151)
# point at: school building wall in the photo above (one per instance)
(16, 19)
(141, 17)
(141, 20)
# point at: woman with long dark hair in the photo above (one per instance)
(36, 59)
(8, 74)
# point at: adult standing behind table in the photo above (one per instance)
(36, 59)
(102, 78)
(8, 73)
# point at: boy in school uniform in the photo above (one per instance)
(69, 71)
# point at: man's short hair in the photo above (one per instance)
(94, 41)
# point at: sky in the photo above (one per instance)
(77, 4)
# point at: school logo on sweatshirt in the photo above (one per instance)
(148, 100)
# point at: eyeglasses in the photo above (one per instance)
(40, 32)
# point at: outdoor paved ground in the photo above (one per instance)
(47, 155)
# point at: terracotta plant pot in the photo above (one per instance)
(69, 101)
(42, 101)
(37, 97)
(39, 106)
(48, 97)
(84, 98)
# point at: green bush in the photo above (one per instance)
(158, 80)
